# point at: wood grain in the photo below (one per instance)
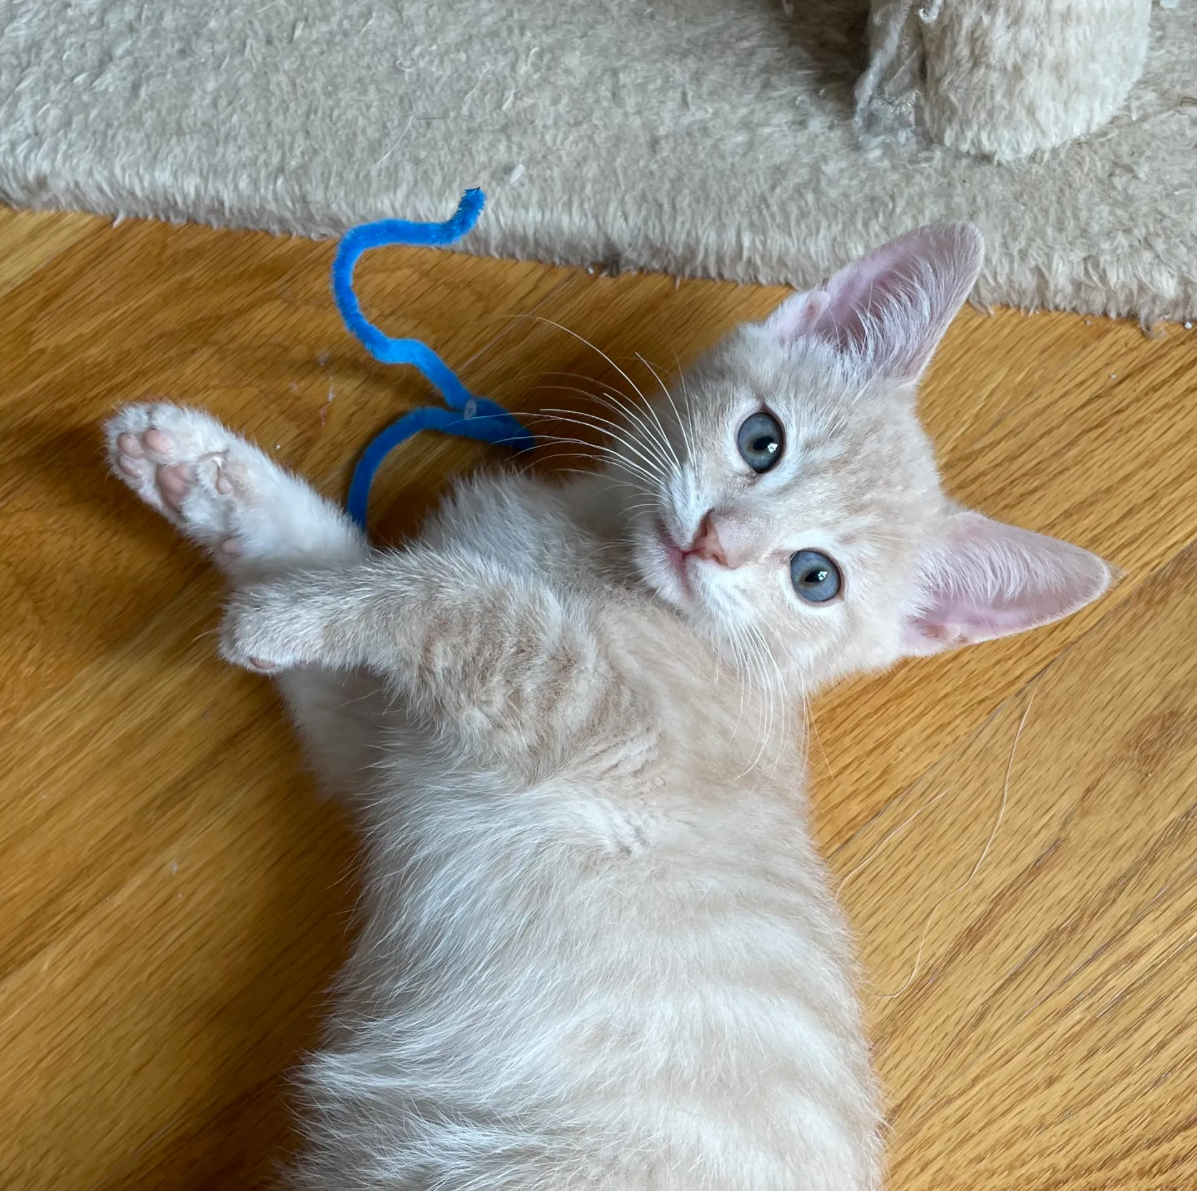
(1046, 1032)
(176, 897)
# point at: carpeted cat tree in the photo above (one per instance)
(1000, 78)
(695, 137)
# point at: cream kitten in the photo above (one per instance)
(599, 950)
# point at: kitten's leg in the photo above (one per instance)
(514, 668)
(257, 521)
(226, 495)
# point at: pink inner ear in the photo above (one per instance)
(890, 309)
(797, 316)
(986, 579)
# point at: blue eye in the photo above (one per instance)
(761, 441)
(814, 576)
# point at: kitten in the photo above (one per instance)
(599, 950)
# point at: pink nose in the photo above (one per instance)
(706, 542)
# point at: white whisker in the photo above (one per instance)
(1001, 814)
(612, 429)
(592, 346)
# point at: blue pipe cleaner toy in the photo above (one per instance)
(467, 416)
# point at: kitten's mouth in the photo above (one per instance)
(675, 557)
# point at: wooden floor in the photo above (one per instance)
(174, 897)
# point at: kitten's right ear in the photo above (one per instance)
(983, 579)
(889, 310)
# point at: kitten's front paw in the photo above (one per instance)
(261, 630)
(224, 493)
(177, 460)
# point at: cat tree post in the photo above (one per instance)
(1000, 78)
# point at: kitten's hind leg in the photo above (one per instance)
(226, 495)
(257, 521)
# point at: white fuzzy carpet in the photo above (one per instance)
(708, 137)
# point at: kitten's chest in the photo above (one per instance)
(712, 729)
(702, 777)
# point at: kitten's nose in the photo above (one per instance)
(706, 542)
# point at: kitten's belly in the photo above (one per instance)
(660, 1001)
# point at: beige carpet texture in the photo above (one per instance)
(697, 137)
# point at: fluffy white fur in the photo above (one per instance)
(599, 951)
(696, 137)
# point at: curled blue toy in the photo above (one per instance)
(467, 416)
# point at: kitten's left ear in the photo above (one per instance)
(984, 579)
(890, 309)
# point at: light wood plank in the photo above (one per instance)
(32, 239)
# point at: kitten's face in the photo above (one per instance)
(788, 502)
(807, 491)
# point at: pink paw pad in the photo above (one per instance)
(159, 442)
(175, 482)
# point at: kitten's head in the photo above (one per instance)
(796, 507)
